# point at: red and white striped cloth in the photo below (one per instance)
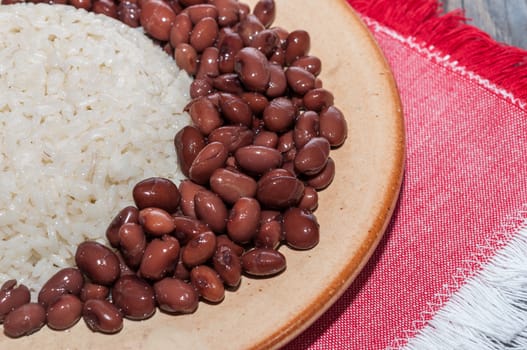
(451, 270)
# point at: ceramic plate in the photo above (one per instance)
(353, 212)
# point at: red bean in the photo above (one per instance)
(80, 4)
(156, 192)
(64, 312)
(97, 262)
(24, 320)
(204, 34)
(243, 220)
(128, 12)
(201, 87)
(266, 138)
(187, 228)
(208, 283)
(318, 99)
(297, 45)
(333, 126)
(160, 258)
(224, 240)
(133, 244)
(256, 101)
(269, 235)
(180, 30)
(277, 81)
(156, 222)
(229, 44)
(199, 249)
(93, 291)
(12, 297)
(211, 157)
(324, 178)
(188, 143)
(176, 296)
(211, 210)
(306, 128)
(68, 280)
(105, 7)
(228, 83)
(235, 110)
(134, 297)
(157, 18)
(300, 80)
(258, 159)
(126, 215)
(102, 316)
(266, 41)
(186, 58)
(248, 28)
(228, 265)
(227, 11)
(253, 68)
(200, 11)
(279, 115)
(265, 11)
(263, 262)
(208, 63)
(232, 137)
(277, 190)
(310, 63)
(309, 199)
(188, 190)
(205, 115)
(313, 156)
(301, 229)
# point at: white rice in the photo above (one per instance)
(88, 107)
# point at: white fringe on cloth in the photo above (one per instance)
(489, 312)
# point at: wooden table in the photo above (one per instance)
(504, 20)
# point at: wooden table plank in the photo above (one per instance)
(504, 20)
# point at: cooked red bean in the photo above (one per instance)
(187, 228)
(208, 283)
(97, 262)
(333, 126)
(181, 272)
(80, 4)
(228, 83)
(253, 68)
(68, 280)
(277, 81)
(258, 159)
(270, 215)
(176, 296)
(279, 114)
(277, 190)
(200, 11)
(105, 7)
(265, 11)
(94, 291)
(228, 265)
(235, 110)
(186, 58)
(269, 235)
(199, 249)
(160, 258)
(157, 17)
(297, 45)
(266, 41)
(318, 99)
(128, 214)
(201, 87)
(133, 243)
(204, 34)
(134, 297)
(232, 137)
(244, 10)
(188, 142)
(229, 43)
(187, 3)
(102, 316)
(12, 296)
(310, 63)
(227, 11)
(286, 142)
(301, 229)
(224, 240)
(156, 222)
(205, 115)
(128, 12)
(299, 80)
(306, 128)
(208, 63)
(313, 156)
(24, 320)
(210, 158)
(256, 101)
(211, 210)
(248, 28)
(278, 57)
(266, 138)
(124, 269)
(309, 199)
(263, 262)
(64, 312)
(156, 192)
(180, 30)
(324, 178)
(243, 220)
(188, 190)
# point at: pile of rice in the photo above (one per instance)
(88, 107)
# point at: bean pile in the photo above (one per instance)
(255, 157)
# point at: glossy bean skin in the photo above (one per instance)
(300, 228)
(211, 210)
(134, 297)
(256, 101)
(229, 44)
(277, 85)
(156, 192)
(298, 45)
(188, 190)
(279, 115)
(204, 33)
(306, 128)
(309, 199)
(248, 28)
(224, 240)
(157, 18)
(263, 262)
(80, 4)
(324, 178)
(64, 312)
(208, 63)
(188, 142)
(227, 82)
(176, 296)
(12, 296)
(318, 99)
(258, 159)
(105, 7)
(24, 320)
(266, 138)
(102, 316)
(211, 157)
(156, 222)
(232, 137)
(265, 11)
(253, 68)
(68, 280)
(128, 214)
(201, 88)
(188, 228)
(269, 235)
(94, 291)
(228, 265)
(200, 11)
(279, 190)
(186, 58)
(243, 220)
(97, 262)
(128, 12)
(300, 80)
(133, 244)
(227, 12)
(313, 156)
(235, 110)
(310, 63)
(208, 283)
(180, 31)
(266, 41)
(333, 126)
(199, 249)
(160, 258)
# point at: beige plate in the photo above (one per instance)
(353, 212)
